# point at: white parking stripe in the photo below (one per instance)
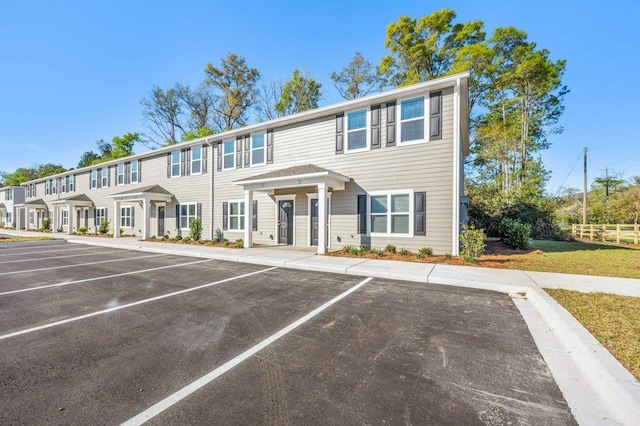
(129, 305)
(29, 253)
(22, 290)
(59, 257)
(158, 408)
(79, 264)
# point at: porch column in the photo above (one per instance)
(27, 218)
(146, 218)
(71, 212)
(248, 222)
(116, 219)
(322, 218)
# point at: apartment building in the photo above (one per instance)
(383, 169)
(10, 215)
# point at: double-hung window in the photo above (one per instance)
(100, 216)
(104, 176)
(175, 164)
(54, 186)
(357, 130)
(9, 194)
(72, 183)
(65, 217)
(120, 174)
(229, 154)
(47, 187)
(94, 179)
(188, 212)
(63, 184)
(390, 213)
(236, 215)
(134, 175)
(196, 160)
(412, 120)
(126, 220)
(258, 146)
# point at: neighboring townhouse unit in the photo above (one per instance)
(383, 169)
(10, 215)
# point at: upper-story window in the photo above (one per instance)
(196, 160)
(258, 148)
(412, 122)
(175, 164)
(8, 194)
(104, 177)
(54, 186)
(47, 187)
(31, 190)
(71, 183)
(134, 172)
(93, 182)
(63, 184)
(120, 174)
(357, 130)
(229, 154)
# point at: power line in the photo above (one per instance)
(569, 173)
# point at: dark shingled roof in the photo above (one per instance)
(2, 206)
(305, 169)
(79, 197)
(37, 202)
(152, 189)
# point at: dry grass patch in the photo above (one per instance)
(612, 319)
(15, 239)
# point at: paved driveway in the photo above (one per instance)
(90, 335)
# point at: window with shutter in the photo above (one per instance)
(435, 116)
(339, 133)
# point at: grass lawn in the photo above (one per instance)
(612, 319)
(15, 239)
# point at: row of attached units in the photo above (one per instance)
(378, 170)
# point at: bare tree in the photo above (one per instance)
(357, 79)
(163, 116)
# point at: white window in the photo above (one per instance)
(72, 183)
(391, 213)
(229, 154)
(54, 186)
(188, 212)
(47, 187)
(100, 214)
(9, 194)
(196, 160)
(175, 164)
(104, 177)
(9, 221)
(258, 146)
(126, 221)
(357, 130)
(412, 120)
(65, 217)
(31, 190)
(134, 172)
(63, 184)
(120, 174)
(94, 179)
(236, 215)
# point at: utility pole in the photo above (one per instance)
(584, 190)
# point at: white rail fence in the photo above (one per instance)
(617, 233)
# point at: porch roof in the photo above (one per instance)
(75, 200)
(2, 206)
(295, 176)
(39, 202)
(151, 193)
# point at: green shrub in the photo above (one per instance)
(447, 255)
(379, 252)
(121, 231)
(226, 242)
(196, 229)
(404, 252)
(186, 239)
(364, 249)
(426, 251)
(240, 243)
(46, 224)
(82, 230)
(514, 233)
(104, 227)
(165, 237)
(350, 250)
(390, 248)
(472, 241)
(215, 241)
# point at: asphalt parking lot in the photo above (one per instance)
(90, 335)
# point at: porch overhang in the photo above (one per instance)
(37, 204)
(153, 193)
(75, 201)
(2, 206)
(294, 177)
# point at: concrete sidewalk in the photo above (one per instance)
(597, 387)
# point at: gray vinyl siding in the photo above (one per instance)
(426, 166)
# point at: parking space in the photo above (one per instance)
(184, 340)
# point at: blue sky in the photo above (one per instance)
(74, 72)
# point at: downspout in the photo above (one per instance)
(212, 168)
(455, 234)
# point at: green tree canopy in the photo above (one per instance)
(301, 93)
(357, 79)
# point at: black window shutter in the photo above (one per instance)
(204, 158)
(225, 216)
(391, 124)
(239, 153)
(254, 215)
(247, 151)
(435, 115)
(362, 214)
(183, 163)
(375, 126)
(99, 178)
(340, 134)
(178, 217)
(219, 156)
(187, 153)
(199, 211)
(108, 176)
(139, 171)
(420, 213)
(106, 214)
(169, 165)
(127, 173)
(133, 216)
(269, 146)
